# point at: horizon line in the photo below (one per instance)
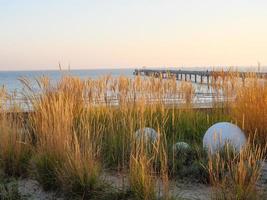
(137, 67)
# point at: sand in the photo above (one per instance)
(31, 189)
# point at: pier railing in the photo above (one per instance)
(198, 100)
(197, 75)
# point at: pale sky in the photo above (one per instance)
(37, 34)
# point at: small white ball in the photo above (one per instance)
(148, 134)
(181, 146)
(223, 133)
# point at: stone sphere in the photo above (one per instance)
(148, 134)
(223, 133)
(181, 146)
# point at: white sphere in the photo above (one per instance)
(221, 133)
(181, 146)
(148, 134)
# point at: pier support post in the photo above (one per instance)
(201, 79)
(185, 77)
(195, 78)
(208, 81)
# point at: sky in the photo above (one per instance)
(38, 34)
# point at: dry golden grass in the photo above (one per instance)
(61, 137)
(80, 127)
(141, 177)
(250, 108)
(234, 175)
(15, 148)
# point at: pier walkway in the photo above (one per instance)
(198, 75)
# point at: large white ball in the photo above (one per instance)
(148, 134)
(221, 133)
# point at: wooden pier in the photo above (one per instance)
(198, 76)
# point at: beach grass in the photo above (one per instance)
(76, 130)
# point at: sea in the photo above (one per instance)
(11, 79)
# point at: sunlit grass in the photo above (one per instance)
(234, 175)
(80, 128)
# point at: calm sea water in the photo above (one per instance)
(10, 79)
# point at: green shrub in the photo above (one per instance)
(45, 166)
(9, 190)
